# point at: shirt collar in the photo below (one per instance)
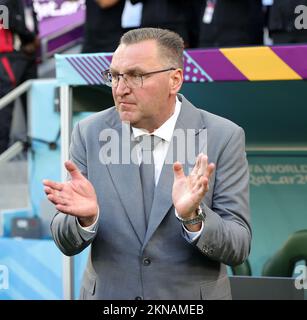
(165, 132)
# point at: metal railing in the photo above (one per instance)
(15, 93)
(18, 146)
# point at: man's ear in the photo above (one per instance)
(176, 80)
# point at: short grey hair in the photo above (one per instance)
(171, 45)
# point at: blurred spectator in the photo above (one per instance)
(102, 25)
(105, 23)
(169, 14)
(282, 22)
(226, 23)
(107, 20)
(17, 58)
(193, 22)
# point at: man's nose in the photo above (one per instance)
(122, 87)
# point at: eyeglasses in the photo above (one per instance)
(132, 79)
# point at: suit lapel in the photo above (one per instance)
(189, 118)
(126, 180)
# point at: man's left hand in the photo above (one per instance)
(188, 191)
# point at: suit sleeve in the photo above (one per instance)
(64, 228)
(226, 236)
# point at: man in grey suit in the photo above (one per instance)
(166, 238)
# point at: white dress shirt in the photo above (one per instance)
(165, 132)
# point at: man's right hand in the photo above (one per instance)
(76, 197)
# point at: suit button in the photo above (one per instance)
(138, 298)
(205, 249)
(146, 261)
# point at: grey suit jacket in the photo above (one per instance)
(128, 260)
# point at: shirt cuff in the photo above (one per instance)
(190, 236)
(87, 232)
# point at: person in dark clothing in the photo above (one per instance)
(227, 23)
(282, 18)
(193, 22)
(102, 25)
(17, 64)
(168, 14)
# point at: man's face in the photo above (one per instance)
(148, 106)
